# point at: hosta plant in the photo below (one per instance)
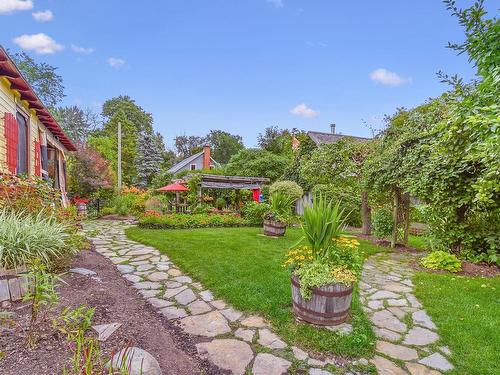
(24, 238)
(441, 260)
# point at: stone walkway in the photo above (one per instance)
(228, 338)
(407, 338)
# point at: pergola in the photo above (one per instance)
(212, 181)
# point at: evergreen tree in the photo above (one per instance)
(149, 157)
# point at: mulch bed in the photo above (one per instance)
(114, 301)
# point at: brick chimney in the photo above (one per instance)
(332, 126)
(206, 157)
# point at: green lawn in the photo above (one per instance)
(467, 313)
(244, 268)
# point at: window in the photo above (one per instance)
(193, 167)
(22, 144)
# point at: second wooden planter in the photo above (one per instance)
(328, 305)
(274, 228)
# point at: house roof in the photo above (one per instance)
(183, 163)
(321, 138)
(17, 82)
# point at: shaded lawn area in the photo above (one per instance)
(244, 268)
(467, 313)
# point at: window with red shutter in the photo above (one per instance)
(11, 137)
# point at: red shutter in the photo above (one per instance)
(10, 131)
(38, 167)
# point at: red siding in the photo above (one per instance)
(10, 132)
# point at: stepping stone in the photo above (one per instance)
(385, 319)
(396, 351)
(141, 252)
(376, 305)
(268, 364)
(145, 267)
(159, 303)
(174, 272)
(144, 257)
(140, 263)
(316, 362)
(83, 271)
(172, 313)
(270, 340)
(199, 307)
(416, 369)
(117, 260)
(299, 353)
(397, 302)
(396, 287)
(172, 284)
(197, 286)
(407, 282)
(219, 304)
(437, 361)
(420, 337)
(413, 301)
(138, 361)
(157, 276)
(228, 354)
(172, 292)
(386, 367)
(254, 322)
(400, 314)
(343, 329)
(318, 371)
(245, 334)
(208, 325)
(146, 285)
(183, 279)
(207, 295)
(149, 293)
(132, 278)
(383, 294)
(185, 297)
(445, 349)
(162, 267)
(387, 334)
(105, 330)
(231, 314)
(422, 319)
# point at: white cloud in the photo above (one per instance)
(277, 3)
(40, 43)
(388, 78)
(10, 6)
(115, 62)
(304, 111)
(44, 16)
(82, 50)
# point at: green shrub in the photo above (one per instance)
(24, 238)
(382, 223)
(108, 211)
(220, 203)
(253, 212)
(289, 188)
(348, 196)
(186, 221)
(441, 260)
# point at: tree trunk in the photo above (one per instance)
(366, 213)
(395, 217)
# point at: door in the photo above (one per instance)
(22, 144)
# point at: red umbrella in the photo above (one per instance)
(173, 187)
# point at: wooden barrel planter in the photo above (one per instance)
(13, 284)
(274, 228)
(329, 305)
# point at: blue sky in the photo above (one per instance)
(242, 65)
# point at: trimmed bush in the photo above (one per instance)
(289, 188)
(187, 221)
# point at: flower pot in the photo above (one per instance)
(329, 304)
(13, 284)
(274, 228)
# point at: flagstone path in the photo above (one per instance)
(407, 338)
(245, 344)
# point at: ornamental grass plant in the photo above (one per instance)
(24, 238)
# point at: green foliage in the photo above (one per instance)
(128, 204)
(256, 163)
(24, 238)
(186, 221)
(220, 203)
(140, 119)
(150, 149)
(76, 122)
(441, 260)
(223, 145)
(382, 222)
(322, 223)
(275, 140)
(289, 188)
(253, 212)
(349, 197)
(280, 207)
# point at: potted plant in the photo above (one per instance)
(324, 267)
(275, 220)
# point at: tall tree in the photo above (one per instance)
(275, 140)
(187, 145)
(76, 122)
(149, 157)
(224, 145)
(43, 77)
(257, 163)
(141, 119)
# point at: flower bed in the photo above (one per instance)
(187, 221)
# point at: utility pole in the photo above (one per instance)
(119, 157)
